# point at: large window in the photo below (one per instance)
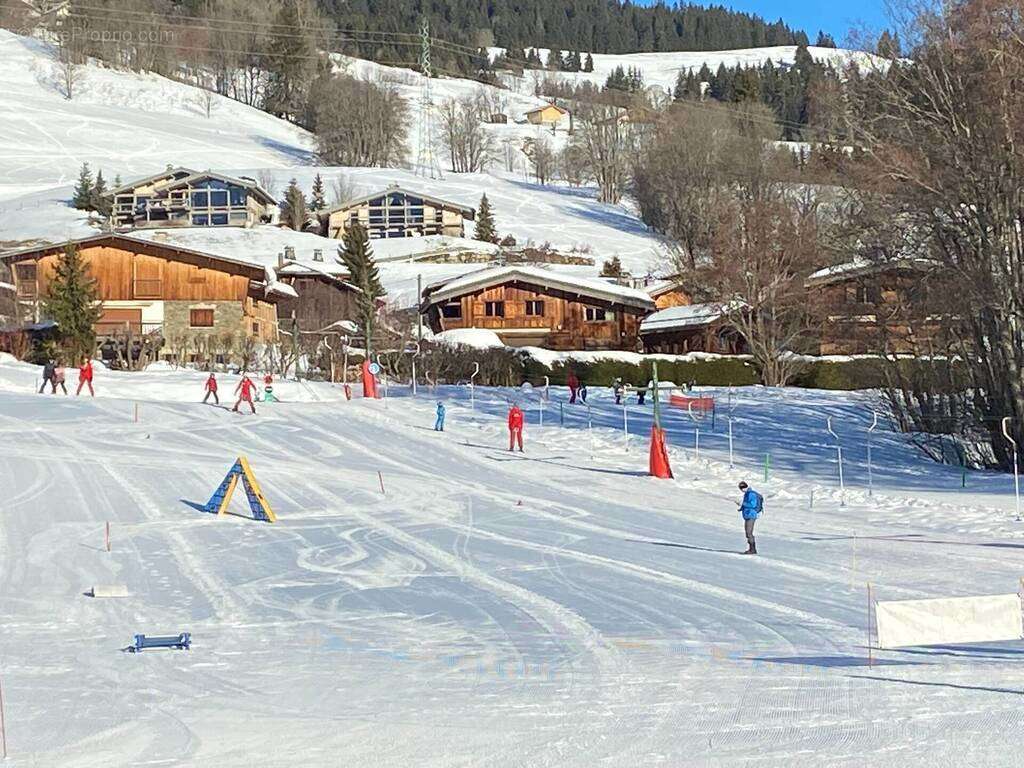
(452, 310)
(27, 275)
(535, 309)
(595, 314)
(200, 318)
(494, 308)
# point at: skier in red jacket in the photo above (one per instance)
(245, 390)
(85, 377)
(574, 385)
(515, 427)
(211, 389)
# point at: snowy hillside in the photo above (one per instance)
(467, 606)
(662, 69)
(121, 122)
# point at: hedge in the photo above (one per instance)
(858, 373)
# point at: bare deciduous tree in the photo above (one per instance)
(358, 122)
(469, 144)
(606, 142)
(542, 159)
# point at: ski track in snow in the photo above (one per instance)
(487, 609)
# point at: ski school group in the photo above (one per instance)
(751, 506)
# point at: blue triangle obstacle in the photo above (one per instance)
(258, 505)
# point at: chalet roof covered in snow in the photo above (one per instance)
(584, 287)
(468, 211)
(679, 318)
(862, 266)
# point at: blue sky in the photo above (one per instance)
(836, 17)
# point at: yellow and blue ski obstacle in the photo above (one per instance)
(258, 504)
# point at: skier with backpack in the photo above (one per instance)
(751, 508)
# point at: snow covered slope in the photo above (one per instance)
(662, 69)
(555, 608)
(122, 122)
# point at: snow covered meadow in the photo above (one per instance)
(467, 606)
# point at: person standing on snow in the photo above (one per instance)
(751, 508)
(439, 424)
(85, 377)
(245, 390)
(58, 378)
(515, 427)
(617, 389)
(574, 385)
(48, 368)
(211, 389)
(583, 392)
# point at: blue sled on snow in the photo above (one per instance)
(141, 642)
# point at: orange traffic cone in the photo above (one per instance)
(659, 466)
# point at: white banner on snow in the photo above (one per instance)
(949, 620)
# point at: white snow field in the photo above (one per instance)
(554, 608)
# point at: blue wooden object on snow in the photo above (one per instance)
(141, 642)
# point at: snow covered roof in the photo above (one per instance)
(249, 184)
(688, 316)
(584, 287)
(864, 266)
(664, 285)
(468, 211)
(167, 172)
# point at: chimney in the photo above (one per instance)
(318, 254)
(280, 259)
(289, 253)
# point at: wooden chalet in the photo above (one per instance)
(666, 293)
(679, 329)
(876, 307)
(531, 306)
(325, 302)
(548, 115)
(398, 212)
(182, 197)
(149, 287)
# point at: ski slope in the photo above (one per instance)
(555, 608)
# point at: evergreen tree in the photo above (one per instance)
(825, 40)
(318, 199)
(889, 45)
(588, 63)
(98, 197)
(82, 199)
(357, 256)
(485, 229)
(612, 267)
(293, 210)
(71, 302)
(291, 62)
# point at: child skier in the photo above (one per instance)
(574, 385)
(515, 427)
(751, 508)
(211, 389)
(85, 377)
(59, 374)
(48, 369)
(439, 424)
(245, 390)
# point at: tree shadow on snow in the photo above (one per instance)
(957, 686)
(912, 538)
(829, 662)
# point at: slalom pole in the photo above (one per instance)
(839, 452)
(472, 386)
(3, 724)
(730, 443)
(871, 483)
(106, 538)
(871, 656)
(380, 477)
(1016, 476)
(696, 430)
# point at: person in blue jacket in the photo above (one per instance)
(439, 424)
(751, 508)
